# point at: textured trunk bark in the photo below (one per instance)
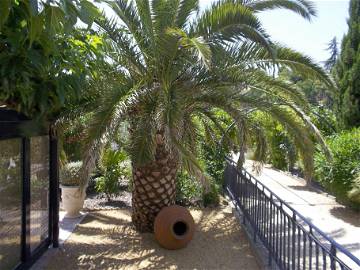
(154, 187)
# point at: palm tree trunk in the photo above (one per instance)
(154, 187)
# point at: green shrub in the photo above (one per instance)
(113, 167)
(354, 193)
(338, 176)
(214, 161)
(212, 196)
(188, 189)
(70, 174)
(280, 148)
(324, 119)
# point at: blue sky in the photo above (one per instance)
(310, 38)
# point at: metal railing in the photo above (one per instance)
(292, 242)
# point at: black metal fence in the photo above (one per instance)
(292, 242)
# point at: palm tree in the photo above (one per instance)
(175, 68)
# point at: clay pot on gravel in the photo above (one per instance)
(174, 227)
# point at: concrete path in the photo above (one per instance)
(337, 221)
(67, 226)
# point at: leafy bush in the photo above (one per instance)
(354, 193)
(281, 151)
(70, 174)
(213, 157)
(188, 189)
(211, 197)
(214, 161)
(43, 63)
(113, 167)
(282, 154)
(324, 119)
(339, 175)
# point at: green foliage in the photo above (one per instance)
(334, 54)
(176, 74)
(211, 197)
(44, 61)
(72, 137)
(324, 119)
(338, 176)
(70, 174)
(113, 168)
(188, 189)
(213, 158)
(281, 151)
(317, 92)
(354, 193)
(347, 70)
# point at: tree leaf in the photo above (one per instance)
(88, 12)
(35, 27)
(55, 18)
(4, 11)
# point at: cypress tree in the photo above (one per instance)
(348, 70)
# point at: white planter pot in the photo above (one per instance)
(72, 200)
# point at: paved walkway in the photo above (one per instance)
(337, 221)
(67, 226)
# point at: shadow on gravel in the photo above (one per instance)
(347, 215)
(106, 240)
(306, 188)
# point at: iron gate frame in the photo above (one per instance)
(16, 126)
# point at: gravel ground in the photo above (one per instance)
(100, 202)
(106, 240)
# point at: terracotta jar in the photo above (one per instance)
(174, 227)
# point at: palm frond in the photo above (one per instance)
(123, 48)
(227, 21)
(304, 8)
(127, 13)
(186, 9)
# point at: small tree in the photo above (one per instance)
(113, 167)
(348, 70)
(333, 49)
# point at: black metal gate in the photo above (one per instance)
(28, 190)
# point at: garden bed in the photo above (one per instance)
(96, 201)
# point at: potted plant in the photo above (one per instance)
(71, 194)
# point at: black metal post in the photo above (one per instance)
(332, 257)
(54, 191)
(25, 217)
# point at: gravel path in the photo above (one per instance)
(106, 240)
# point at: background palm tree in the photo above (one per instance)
(174, 68)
